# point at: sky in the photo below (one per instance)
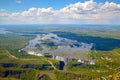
(59, 11)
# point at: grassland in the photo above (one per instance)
(12, 62)
(21, 66)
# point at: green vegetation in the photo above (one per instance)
(18, 73)
(45, 77)
(16, 65)
(12, 43)
(100, 43)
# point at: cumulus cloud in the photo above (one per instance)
(88, 12)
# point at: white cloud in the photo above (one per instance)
(3, 10)
(88, 12)
(18, 1)
(110, 6)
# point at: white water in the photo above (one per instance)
(63, 44)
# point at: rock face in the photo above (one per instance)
(7, 65)
(16, 73)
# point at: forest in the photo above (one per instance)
(16, 65)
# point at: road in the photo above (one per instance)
(52, 65)
(14, 57)
(10, 55)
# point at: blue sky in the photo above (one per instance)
(13, 6)
(49, 11)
